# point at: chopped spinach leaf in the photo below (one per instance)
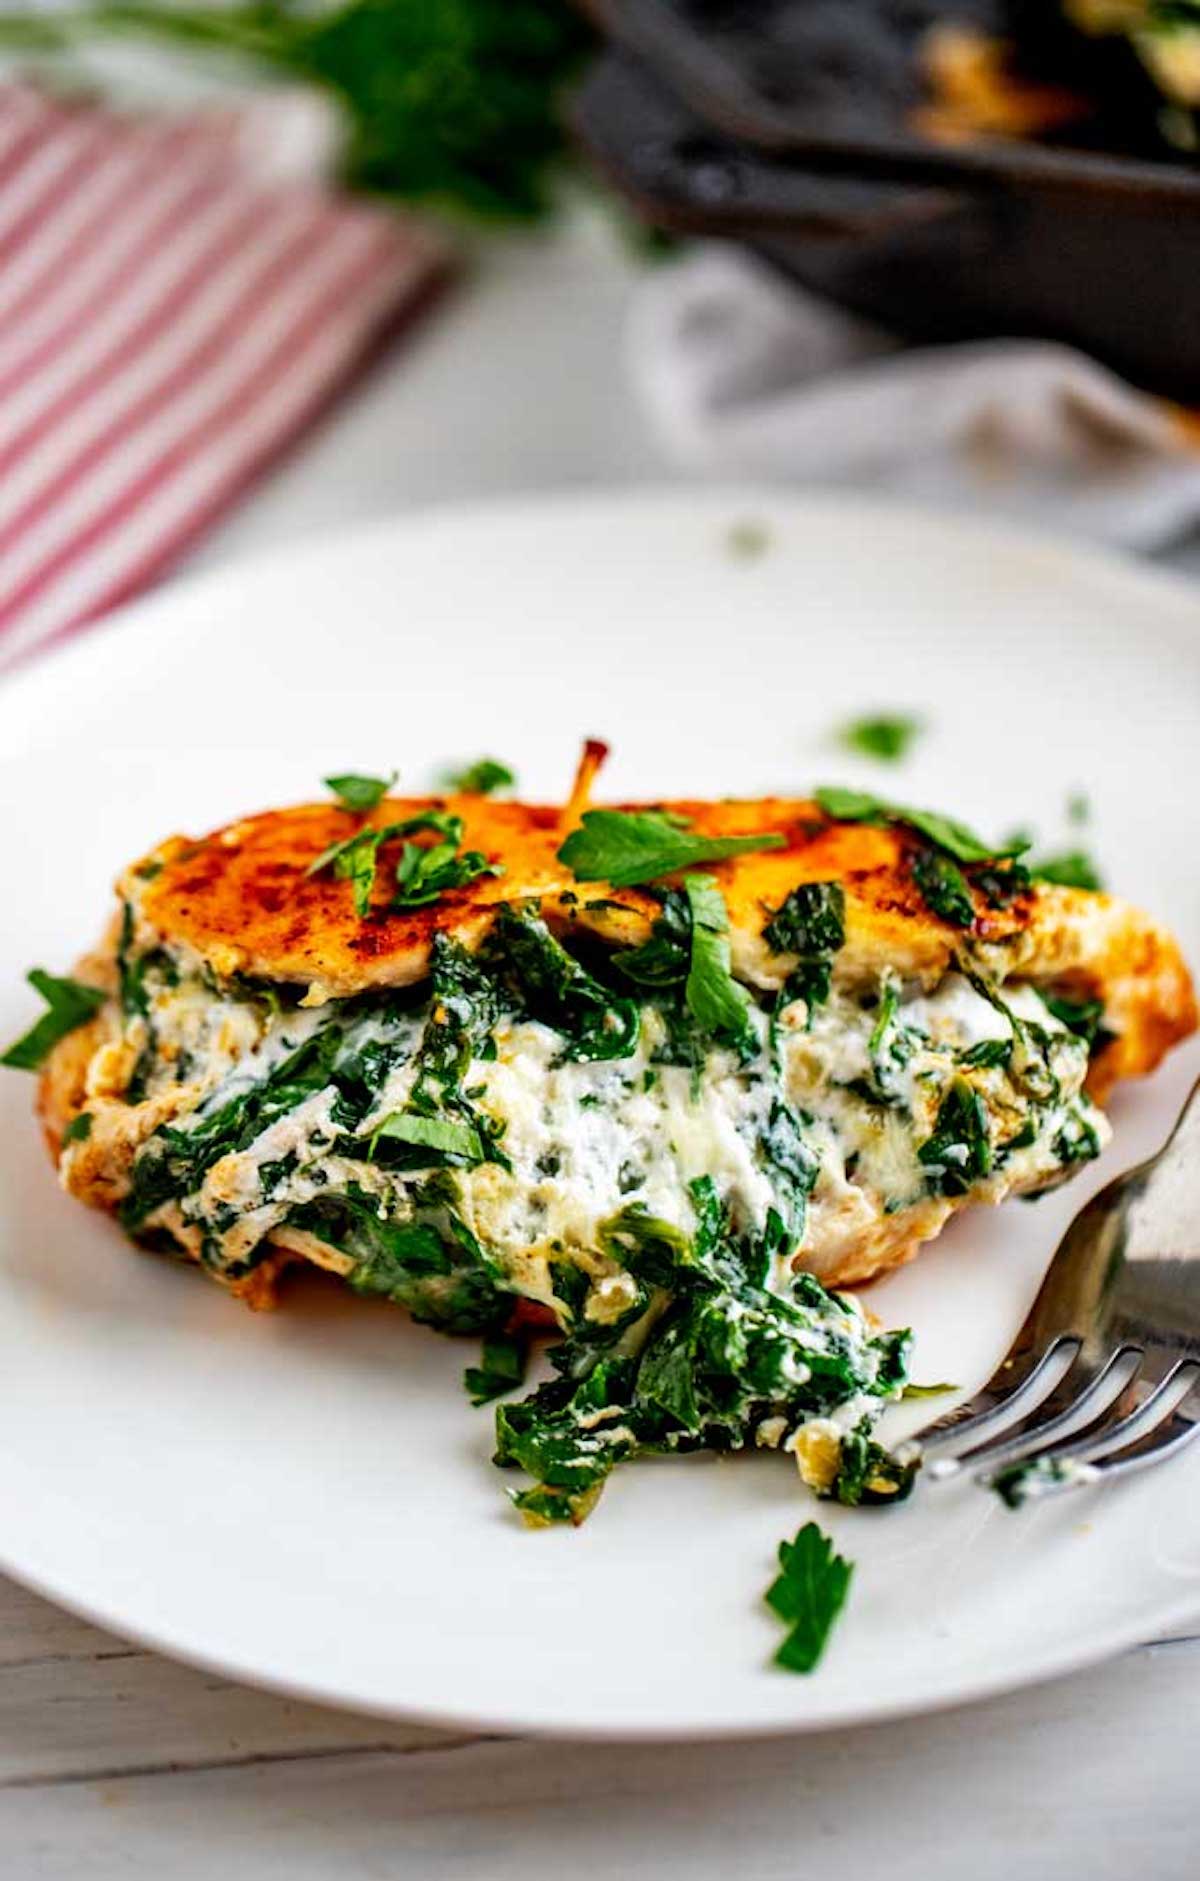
(446, 1136)
(481, 778)
(944, 888)
(867, 1473)
(944, 832)
(501, 1368)
(626, 847)
(547, 983)
(959, 1152)
(1083, 1017)
(718, 1003)
(79, 1129)
(435, 1268)
(807, 1594)
(886, 737)
(705, 1353)
(360, 793)
(69, 1005)
(810, 923)
(664, 959)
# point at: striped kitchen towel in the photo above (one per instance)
(172, 315)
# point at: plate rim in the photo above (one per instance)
(1169, 592)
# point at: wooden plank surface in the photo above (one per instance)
(114, 1763)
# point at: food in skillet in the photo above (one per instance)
(661, 1076)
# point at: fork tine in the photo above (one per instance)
(1021, 1395)
(1158, 1429)
(1077, 1401)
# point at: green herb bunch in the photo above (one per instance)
(451, 103)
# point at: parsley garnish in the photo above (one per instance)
(70, 1004)
(885, 737)
(481, 778)
(423, 873)
(808, 1593)
(718, 1003)
(944, 832)
(79, 1129)
(360, 793)
(501, 1367)
(626, 847)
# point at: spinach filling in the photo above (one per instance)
(364, 1124)
(705, 1357)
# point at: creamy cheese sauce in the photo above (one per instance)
(581, 1140)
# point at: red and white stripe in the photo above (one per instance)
(168, 326)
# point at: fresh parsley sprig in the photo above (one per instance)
(69, 1004)
(808, 1593)
(885, 736)
(481, 778)
(424, 871)
(628, 847)
(944, 832)
(359, 793)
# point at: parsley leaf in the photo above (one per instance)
(70, 1004)
(944, 832)
(79, 1129)
(501, 1367)
(944, 888)
(481, 778)
(355, 859)
(423, 873)
(808, 1594)
(360, 793)
(885, 737)
(626, 847)
(717, 1001)
(1074, 869)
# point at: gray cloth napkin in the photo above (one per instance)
(744, 374)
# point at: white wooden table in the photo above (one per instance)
(115, 1763)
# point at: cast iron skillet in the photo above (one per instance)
(1116, 275)
(837, 82)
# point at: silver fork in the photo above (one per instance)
(1104, 1376)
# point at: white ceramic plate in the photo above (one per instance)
(304, 1499)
